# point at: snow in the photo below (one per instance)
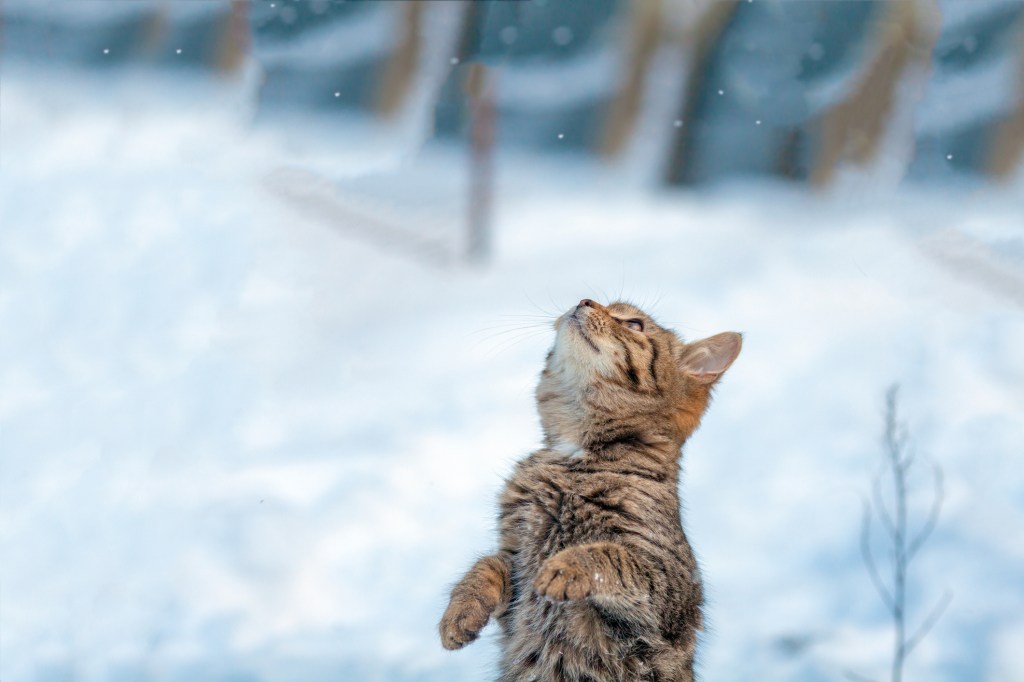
(958, 100)
(361, 35)
(240, 441)
(542, 85)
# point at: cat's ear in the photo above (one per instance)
(707, 360)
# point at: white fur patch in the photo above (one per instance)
(576, 359)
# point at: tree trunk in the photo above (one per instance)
(853, 129)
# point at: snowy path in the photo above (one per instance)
(236, 444)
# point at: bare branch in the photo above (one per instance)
(869, 560)
(896, 436)
(933, 514)
(879, 505)
(891, 506)
(908, 459)
(929, 622)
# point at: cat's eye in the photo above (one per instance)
(635, 325)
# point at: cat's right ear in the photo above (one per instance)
(706, 360)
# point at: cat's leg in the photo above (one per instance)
(484, 591)
(621, 580)
(596, 569)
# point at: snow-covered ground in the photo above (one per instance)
(240, 440)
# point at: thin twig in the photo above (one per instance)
(857, 677)
(908, 458)
(883, 511)
(933, 514)
(899, 458)
(869, 560)
(928, 623)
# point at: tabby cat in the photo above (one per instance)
(594, 580)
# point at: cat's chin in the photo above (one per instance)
(576, 360)
(578, 336)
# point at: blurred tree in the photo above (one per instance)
(554, 59)
(402, 64)
(764, 76)
(645, 25)
(155, 30)
(854, 129)
(234, 44)
(704, 32)
(479, 87)
(1006, 152)
(972, 91)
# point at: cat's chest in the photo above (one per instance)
(539, 508)
(549, 506)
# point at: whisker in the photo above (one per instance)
(491, 334)
(541, 318)
(657, 300)
(506, 344)
(554, 305)
(542, 310)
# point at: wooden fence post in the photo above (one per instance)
(234, 43)
(479, 87)
(401, 66)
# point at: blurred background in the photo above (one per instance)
(277, 280)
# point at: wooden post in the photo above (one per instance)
(482, 122)
(155, 30)
(401, 66)
(234, 43)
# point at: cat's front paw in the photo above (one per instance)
(563, 579)
(462, 622)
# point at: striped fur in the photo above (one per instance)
(594, 580)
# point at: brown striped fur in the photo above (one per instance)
(594, 580)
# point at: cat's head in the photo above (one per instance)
(615, 373)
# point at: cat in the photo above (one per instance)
(594, 580)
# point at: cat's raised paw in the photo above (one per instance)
(462, 622)
(562, 580)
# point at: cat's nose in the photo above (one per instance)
(587, 303)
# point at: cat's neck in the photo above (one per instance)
(657, 455)
(576, 426)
